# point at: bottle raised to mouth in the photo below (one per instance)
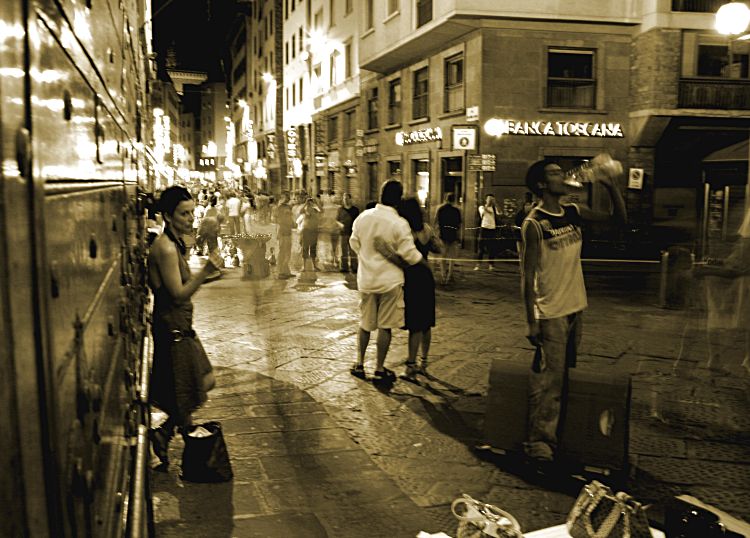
(593, 170)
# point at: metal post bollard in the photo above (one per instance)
(663, 279)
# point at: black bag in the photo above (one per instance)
(205, 459)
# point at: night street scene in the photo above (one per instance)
(375, 268)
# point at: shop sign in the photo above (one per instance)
(472, 113)
(635, 178)
(464, 138)
(291, 143)
(429, 134)
(271, 147)
(498, 127)
(482, 163)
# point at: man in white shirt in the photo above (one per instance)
(380, 282)
(233, 212)
(487, 231)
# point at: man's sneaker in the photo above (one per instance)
(491, 267)
(476, 268)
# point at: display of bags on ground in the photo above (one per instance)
(205, 457)
(600, 513)
(481, 520)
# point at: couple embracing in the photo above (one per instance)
(397, 289)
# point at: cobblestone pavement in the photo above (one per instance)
(317, 452)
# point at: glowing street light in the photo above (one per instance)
(732, 18)
(268, 77)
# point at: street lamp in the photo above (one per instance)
(732, 19)
(268, 77)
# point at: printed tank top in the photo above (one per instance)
(559, 286)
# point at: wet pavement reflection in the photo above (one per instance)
(317, 452)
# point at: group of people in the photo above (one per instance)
(388, 245)
(309, 218)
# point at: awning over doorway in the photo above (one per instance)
(735, 153)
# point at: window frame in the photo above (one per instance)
(448, 88)
(420, 7)
(573, 82)
(372, 102)
(350, 124)
(395, 106)
(420, 101)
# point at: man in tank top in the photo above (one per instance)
(554, 294)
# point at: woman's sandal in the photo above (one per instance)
(384, 376)
(358, 370)
(412, 368)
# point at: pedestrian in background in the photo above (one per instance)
(489, 220)
(379, 281)
(308, 223)
(207, 239)
(181, 374)
(346, 215)
(448, 222)
(234, 205)
(554, 293)
(419, 284)
(284, 223)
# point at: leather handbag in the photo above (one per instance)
(600, 513)
(205, 457)
(481, 520)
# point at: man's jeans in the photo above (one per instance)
(549, 377)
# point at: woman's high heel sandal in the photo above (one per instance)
(160, 444)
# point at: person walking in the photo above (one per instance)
(379, 281)
(285, 223)
(308, 222)
(234, 204)
(347, 214)
(448, 222)
(554, 292)
(419, 284)
(489, 219)
(181, 374)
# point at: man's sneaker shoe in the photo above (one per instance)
(491, 267)
(476, 268)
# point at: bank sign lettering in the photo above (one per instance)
(499, 127)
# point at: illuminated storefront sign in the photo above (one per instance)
(499, 127)
(429, 134)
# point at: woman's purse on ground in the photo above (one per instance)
(480, 520)
(600, 513)
(205, 457)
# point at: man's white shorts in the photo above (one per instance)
(382, 310)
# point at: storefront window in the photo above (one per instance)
(570, 78)
(394, 170)
(372, 181)
(452, 172)
(421, 170)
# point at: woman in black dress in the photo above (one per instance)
(419, 284)
(181, 373)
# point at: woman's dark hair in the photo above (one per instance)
(409, 209)
(535, 175)
(171, 198)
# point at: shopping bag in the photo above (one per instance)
(480, 520)
(205, 457)
(600, 513)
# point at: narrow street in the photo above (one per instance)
(317, 452)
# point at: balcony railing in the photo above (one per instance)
(714, 94)
(698, 6)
